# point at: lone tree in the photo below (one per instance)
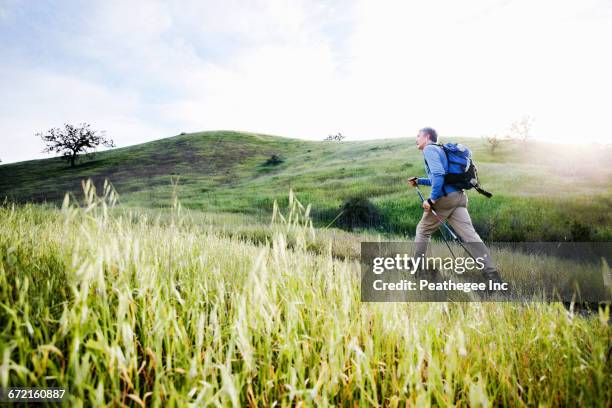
(493, 142)
(73, 140)
(521, 129)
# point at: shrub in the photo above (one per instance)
(274, 160)
(358, 212)
(580, 232)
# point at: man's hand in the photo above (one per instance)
(427, 206)
(413, 181)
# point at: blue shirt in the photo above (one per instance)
(436, 166)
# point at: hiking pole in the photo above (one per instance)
(443, 222)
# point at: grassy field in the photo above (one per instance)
(174, 294)
(541, 191)
(168, 308)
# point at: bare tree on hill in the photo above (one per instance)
(337, 137)
(493, 142)
(74, 140)
(521, 129)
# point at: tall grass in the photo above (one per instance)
(124, 309)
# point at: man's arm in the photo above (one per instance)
(415, 181)
(436, 168)
(424, 181)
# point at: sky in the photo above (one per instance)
(144, 70)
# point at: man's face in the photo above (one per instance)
(422, 140)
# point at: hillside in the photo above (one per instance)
(541, 192)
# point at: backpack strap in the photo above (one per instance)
(427, 165)
(483, 192)
(441, 146)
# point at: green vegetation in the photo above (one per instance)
(274, 160)
(358, 212)
(541, 192)
(164, 308)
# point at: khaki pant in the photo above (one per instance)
(453, 207)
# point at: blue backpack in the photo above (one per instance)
(462, 172)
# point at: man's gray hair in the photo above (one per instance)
(431, 133)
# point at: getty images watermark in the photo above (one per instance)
(429, 267)
(390, 272)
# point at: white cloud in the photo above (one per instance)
(473, 69)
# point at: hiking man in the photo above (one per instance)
(449, 202)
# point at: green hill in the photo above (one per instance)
(541, 191)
